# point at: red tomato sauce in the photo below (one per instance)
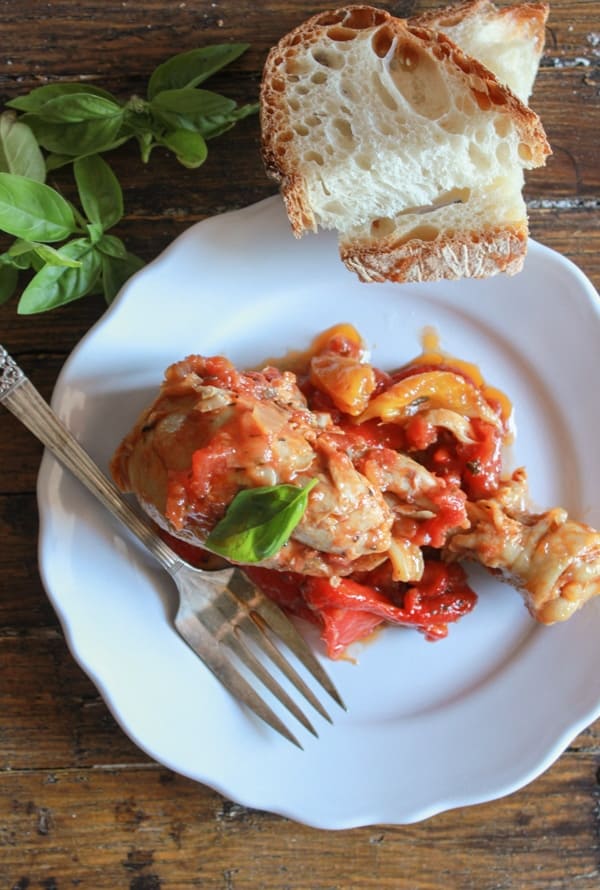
(350, 608)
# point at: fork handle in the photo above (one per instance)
(21, 398)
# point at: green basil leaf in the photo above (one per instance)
(259, 521)
(55, 286)
(56, 161)
(19, 255)
(95, 232)
(35, 99)
(19, 248)
(36, 261)
(9, 277)
(24, 260)
(78, 107)
(191, 68)
(116, 271)
(216, 124)
(99, 191)
(19, 151)
(33, 211)
(195, 102)
(53, 257)
(186, 109)
(76, 139)
(189, 148)
(110, 245)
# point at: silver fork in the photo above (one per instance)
(220, 612)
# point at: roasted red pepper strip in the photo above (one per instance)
(285, 588)
(341, 627)
(347, 611)
(420, 605)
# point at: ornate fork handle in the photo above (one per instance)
(19, 395)
(229, 605)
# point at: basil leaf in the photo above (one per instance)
(19, 255)
(8, 282)
(186, 109)
(22, 250)
(33, 211)
(35, 99)
(76, 139)
(56, 161)
(19, 248)
(94, 231)
(216, 124)
(191, 68)
(116, 271)
(19, 151)
(78, 107)
(110, 245)
(33, 254)
(194, 102)
(189, 148)
(99, 191)
(259, 521)
(54, 257)
(57, 285)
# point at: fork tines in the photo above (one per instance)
(237, 615)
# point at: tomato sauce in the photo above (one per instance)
(381, 414)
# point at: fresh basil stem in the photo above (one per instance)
(259, 521)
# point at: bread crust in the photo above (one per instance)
(478, 254)
(527, 18)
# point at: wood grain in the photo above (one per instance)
(80, 805)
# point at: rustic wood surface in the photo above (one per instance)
(80, 805)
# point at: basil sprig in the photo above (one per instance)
(37, 216)
(76, 120)
(74, 123)
(259, 521)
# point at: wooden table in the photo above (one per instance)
(80, 805)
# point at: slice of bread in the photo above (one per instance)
(509, 41)
(388, 132)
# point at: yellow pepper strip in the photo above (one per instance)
(431, 389)
(348, 382)
(432, 355)
(344, 329)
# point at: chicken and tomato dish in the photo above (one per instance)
(351, 495)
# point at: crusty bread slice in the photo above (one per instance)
(488, 232)
(384, 130)
(477, 237)
(509, 41)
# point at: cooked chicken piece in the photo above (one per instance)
(213, 431)
(553, 560)
(416, 496)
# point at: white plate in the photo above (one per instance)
(429, 726)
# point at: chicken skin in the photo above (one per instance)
(213, 431)
(553, 560)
